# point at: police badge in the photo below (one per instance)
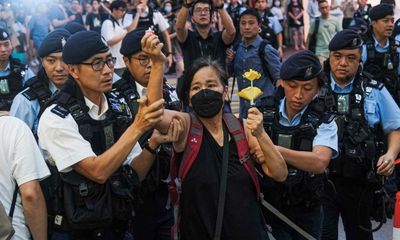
(308, 73)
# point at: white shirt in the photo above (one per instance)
(61, 141)
(108, 31)
(20, 161)
(158, 19)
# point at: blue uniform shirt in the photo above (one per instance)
(326, 132)
(247, 58)
(379, 49)
(27, 110)
(379, 106)
(7, 71)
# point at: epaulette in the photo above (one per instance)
(327, 117)
(372, 82)
(60, 111)
(29, 94)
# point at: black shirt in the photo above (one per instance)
(200, 192)
(95, 20)
(195, 47)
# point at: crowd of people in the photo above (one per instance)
(96, 144)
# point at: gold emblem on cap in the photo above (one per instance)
(308, 72)
(63, 41)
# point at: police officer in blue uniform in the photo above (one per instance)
(153, 219)
(306, 136)
(94, 144)
(51, 76)
(365, 111)
(12, 73)
(381, 53)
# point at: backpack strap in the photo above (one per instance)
(193, 144)
(237, 132)
(261, 54)
(14, 200)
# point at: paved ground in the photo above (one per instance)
(385, 233)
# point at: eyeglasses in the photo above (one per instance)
(202, 10)
(143, 60)
(98, 64)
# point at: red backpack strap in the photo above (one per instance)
(237, 132)
(195, 137)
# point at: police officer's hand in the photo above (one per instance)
(385, 165)
(255, 122)
(148, 115)
(174, 130)
(152, 46)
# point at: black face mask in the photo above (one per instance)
(207, 103)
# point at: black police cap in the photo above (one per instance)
(82, 46)
(74, 27)
(4, 35)
(346, 39)
(131, 42)
(380, 11)
(53, 42)
(301, 66)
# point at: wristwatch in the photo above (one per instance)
(152, 151)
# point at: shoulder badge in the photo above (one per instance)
(60, 111)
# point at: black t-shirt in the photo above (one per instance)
(195, 47)
(200, 192)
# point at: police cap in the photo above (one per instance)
(380, 11)
(53, 42)
(74, 27)
(301, 66)
(346, 39)
(131, 43)
(82, 46)
(4, 35)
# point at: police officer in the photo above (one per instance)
(152, 219)
(12, 73)
(94, 145)
(52, 75)
(381, 53)
(364, 110)
(363, 10)
(307, 139)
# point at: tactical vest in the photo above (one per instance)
(359, 144)
(300, 188)
(147, 22)
(383, 66)
(38, 88)
(234, 12)
(267, 32)
(126, 88)
(88, 205)
(363, 15)
(11, 85)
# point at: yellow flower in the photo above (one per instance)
(252, 75)
(250, 93)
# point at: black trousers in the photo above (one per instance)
(353, 202)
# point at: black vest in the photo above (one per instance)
(267, 32)
(359, 144)
(88, 205)
(363, 15)
(300, 188)
(383, 66)
(11, 85)
(38, 88)
(234, 12)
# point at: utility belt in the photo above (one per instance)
(300, 189)
(90, 206)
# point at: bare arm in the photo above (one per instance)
(386, 162)
(116, 39)
(263, 148)
(181, 30)
(135, 21)
(35, 210)
(101, 167)
(316, 161)
(228, 35)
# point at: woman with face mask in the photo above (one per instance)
(218, 192)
